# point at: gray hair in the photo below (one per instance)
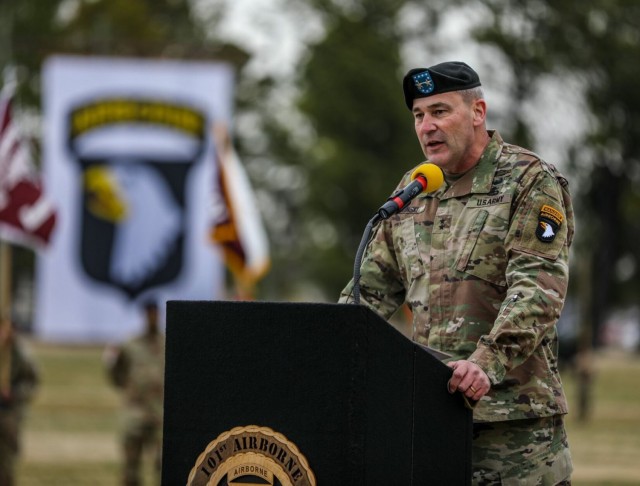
(472, 94)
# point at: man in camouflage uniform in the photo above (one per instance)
(137, 367)
(482, 262)
(18, 382)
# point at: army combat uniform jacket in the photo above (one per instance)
(483, 265)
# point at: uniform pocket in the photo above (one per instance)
(410, 252)
(484, 254)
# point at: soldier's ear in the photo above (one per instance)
(479, 108)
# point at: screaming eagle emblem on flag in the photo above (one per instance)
(134, 204)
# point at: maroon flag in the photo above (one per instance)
(26, 216)
(237, 225)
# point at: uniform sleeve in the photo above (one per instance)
(537, 276)
(118, 367)
(381, 287)
(26, 377)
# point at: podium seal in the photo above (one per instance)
(251, 456)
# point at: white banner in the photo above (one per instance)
(129, 162)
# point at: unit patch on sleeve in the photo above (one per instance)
(549, 221)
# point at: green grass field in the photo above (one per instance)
(70, 436)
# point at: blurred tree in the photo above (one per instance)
(36, 29)
(364, 140)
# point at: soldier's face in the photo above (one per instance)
(446, 128)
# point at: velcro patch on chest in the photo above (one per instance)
(549, 222)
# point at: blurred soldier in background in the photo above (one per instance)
(18, 383)
(137, 368)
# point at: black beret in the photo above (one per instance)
(441, 78)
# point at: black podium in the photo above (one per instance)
(329, 394)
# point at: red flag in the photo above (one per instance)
(26, 216)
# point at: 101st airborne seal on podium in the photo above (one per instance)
(251, 455)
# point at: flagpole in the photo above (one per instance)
(5, 317)
(5, 279)
(239, 232)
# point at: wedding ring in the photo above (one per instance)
(473, 390)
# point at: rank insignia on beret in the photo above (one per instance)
(549, 221)
(423, 82)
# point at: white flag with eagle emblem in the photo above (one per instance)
(130, 160)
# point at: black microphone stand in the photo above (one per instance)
(356, 267)
(394, 204)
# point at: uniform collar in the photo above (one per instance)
(479, 179)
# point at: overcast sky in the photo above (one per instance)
(271, 30)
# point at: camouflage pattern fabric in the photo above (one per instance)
(483, 280)
(24, 380)
(532, 452)
(138, 369)
(139, 435)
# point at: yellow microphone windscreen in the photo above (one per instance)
(432, 173)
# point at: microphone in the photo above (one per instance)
(426, 178)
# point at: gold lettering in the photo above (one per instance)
(114, 111)
(552, 214)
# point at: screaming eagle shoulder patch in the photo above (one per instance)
(549, 222)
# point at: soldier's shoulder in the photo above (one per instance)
(526, 165)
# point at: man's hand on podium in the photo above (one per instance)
(469, 379)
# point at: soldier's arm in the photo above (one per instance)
(380, 285)
(26, 377)
(117, 366)
(537, 277)
(23, 376)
